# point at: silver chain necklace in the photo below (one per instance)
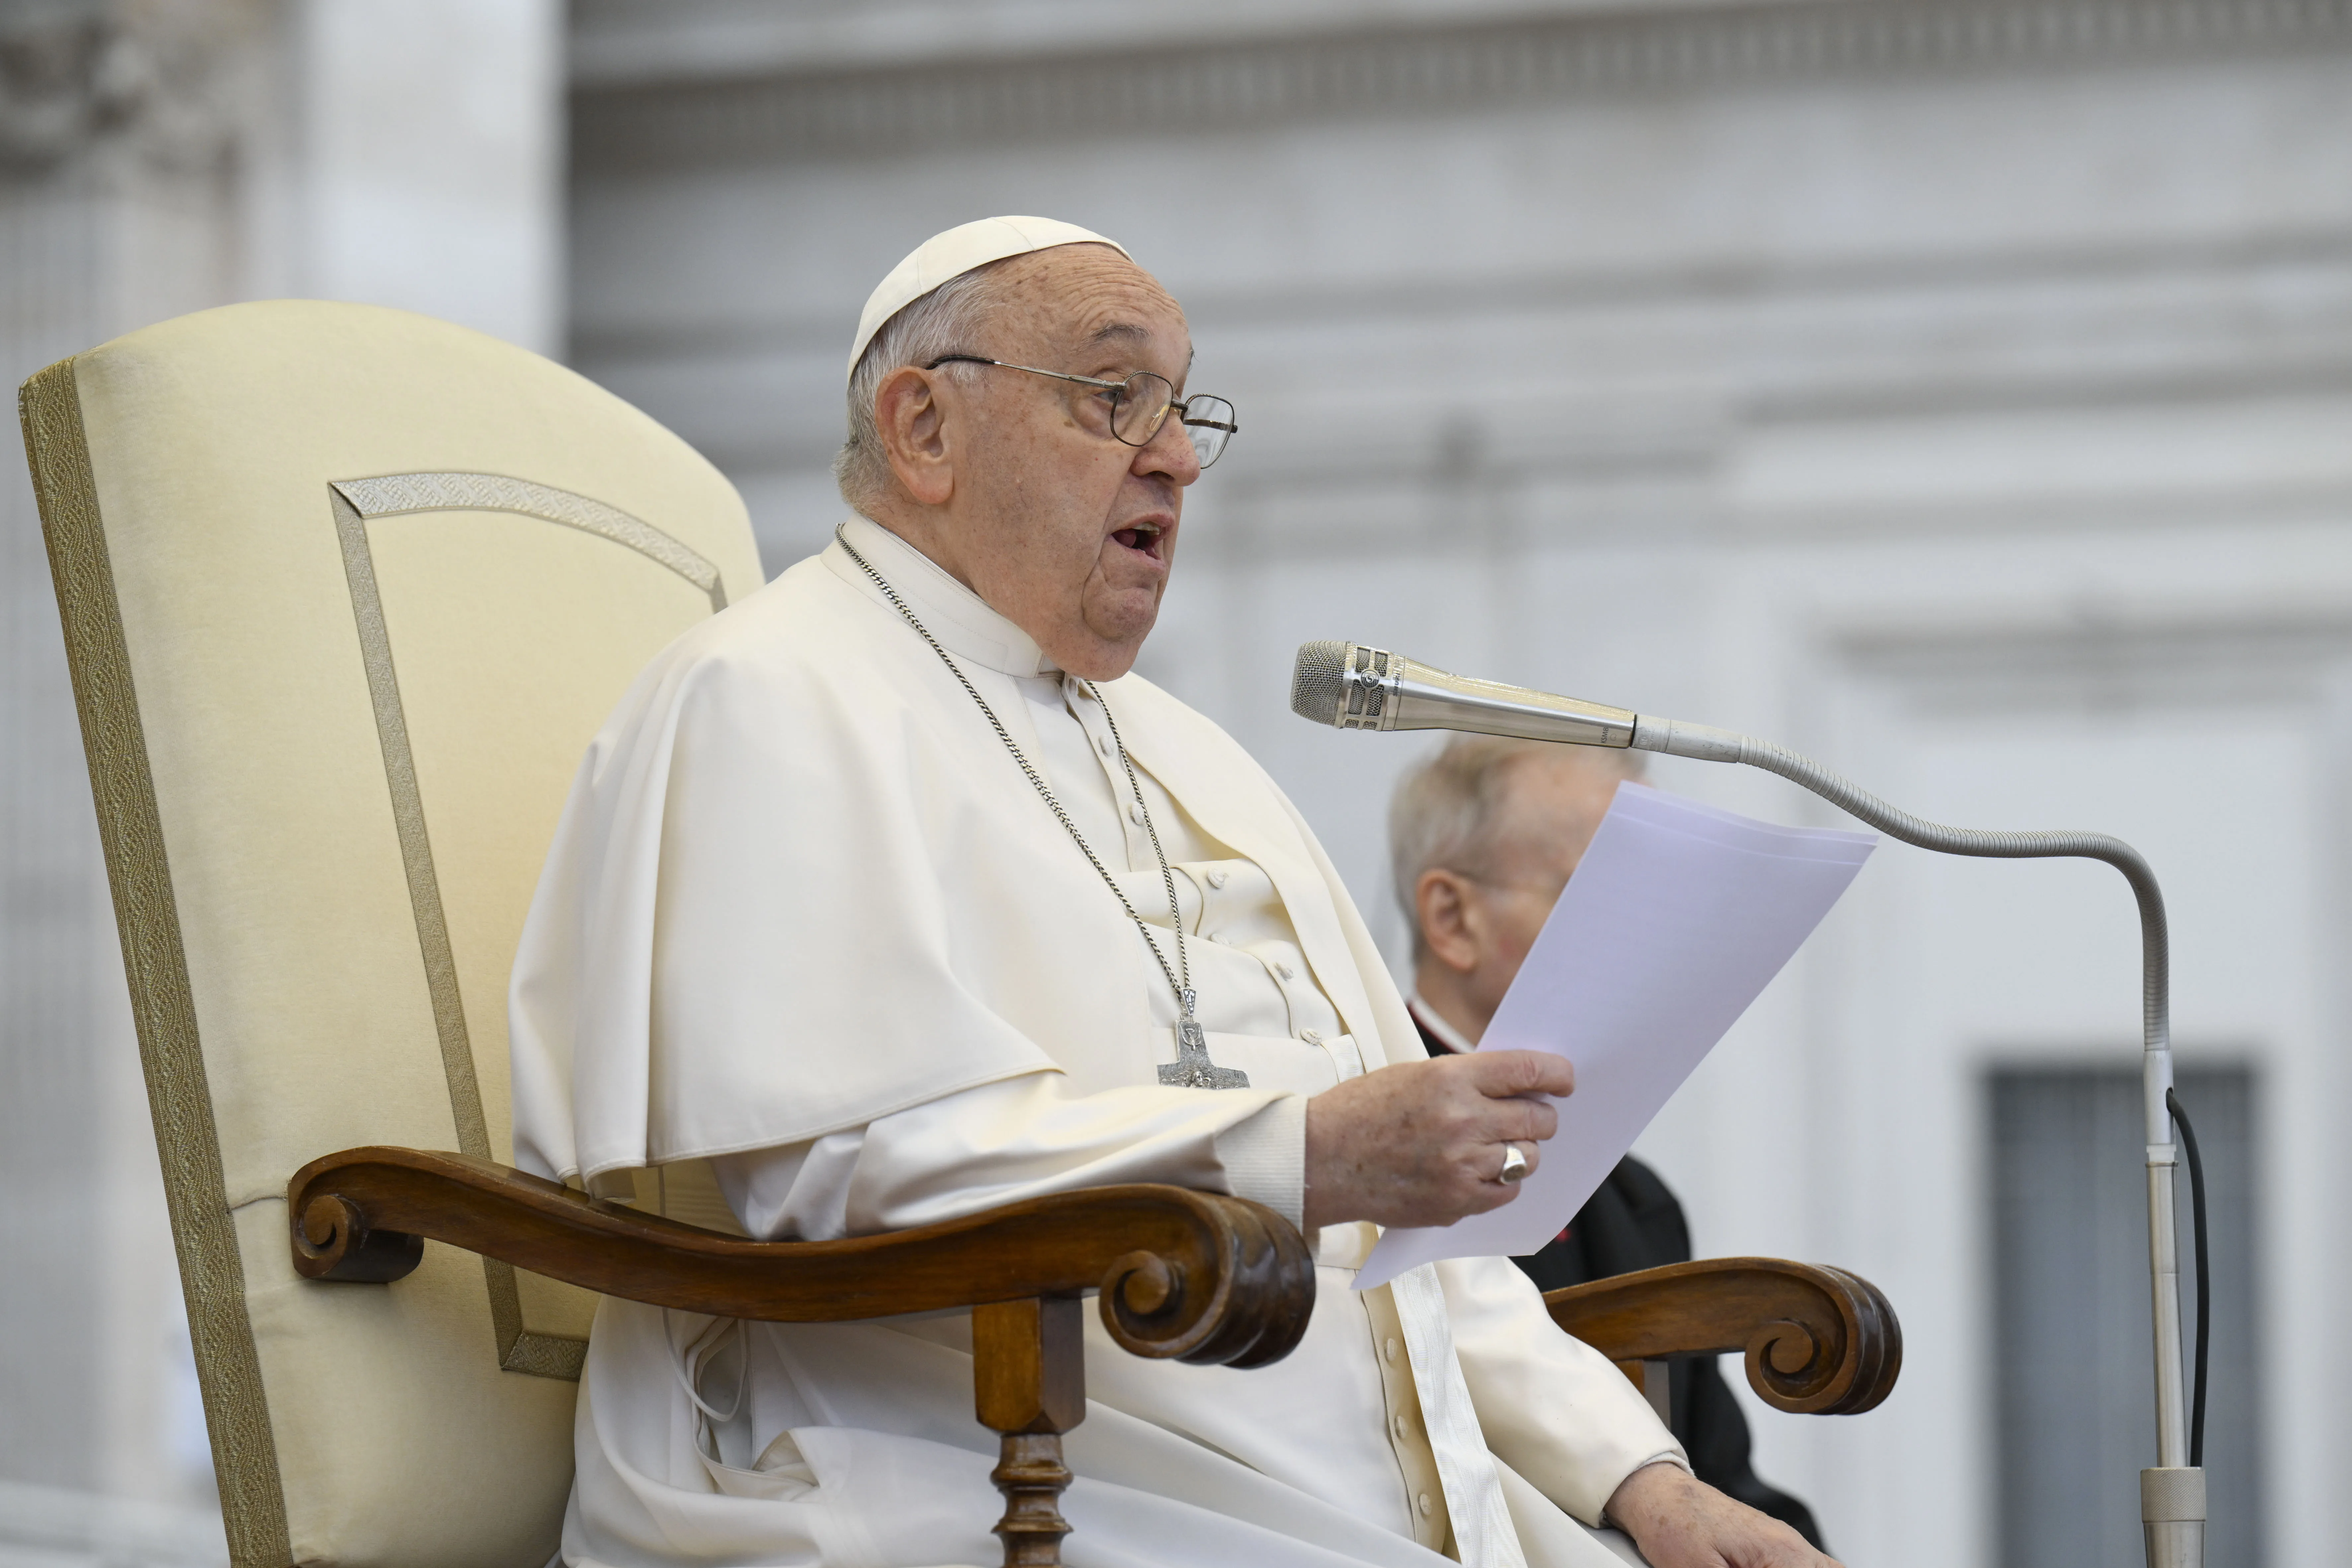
(1192, 1069)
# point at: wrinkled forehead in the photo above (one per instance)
(1089, 300)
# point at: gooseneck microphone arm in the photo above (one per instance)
(1354, 687)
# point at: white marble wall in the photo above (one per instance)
(115, 208)
(419, 162)
(1960, 390)
(156, 160)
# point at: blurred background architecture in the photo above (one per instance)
(1960, 390)
(156, 157)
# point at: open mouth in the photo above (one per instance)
(1144, 538)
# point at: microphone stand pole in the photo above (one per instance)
(2173, 1494)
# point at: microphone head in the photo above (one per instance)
(1319, 683)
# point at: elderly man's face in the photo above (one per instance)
(1476, 930)
(1021, 491)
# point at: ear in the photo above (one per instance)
(1453, 924)
(914, 429)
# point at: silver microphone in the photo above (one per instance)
(1352, 686)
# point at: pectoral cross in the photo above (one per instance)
(1192, 1069)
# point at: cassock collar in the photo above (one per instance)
(1452, 1039)
(952, 613)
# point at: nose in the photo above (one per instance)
(1170, 452)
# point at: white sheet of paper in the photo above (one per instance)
(1677, 918)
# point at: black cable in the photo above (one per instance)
(2204, 1277)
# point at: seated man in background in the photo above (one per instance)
(1483, 835)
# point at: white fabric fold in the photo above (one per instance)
(1004, 1143)
(1547, 1405)
(1483, 1532)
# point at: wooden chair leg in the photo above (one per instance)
(1029, 1379)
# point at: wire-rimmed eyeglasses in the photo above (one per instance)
(1140, 405)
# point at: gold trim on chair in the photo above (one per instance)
(390, 494)
(355, 502)
(163, 1005)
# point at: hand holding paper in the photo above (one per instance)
(1677, 918)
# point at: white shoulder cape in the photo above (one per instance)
(800, 884)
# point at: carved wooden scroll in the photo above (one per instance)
(1187, 1275)
(1818, 1341)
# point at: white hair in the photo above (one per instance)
(943, 321)
(1444, 814)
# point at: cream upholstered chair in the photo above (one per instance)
(346, 592)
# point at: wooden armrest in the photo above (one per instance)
(1818, 1341)
(1193, 1276)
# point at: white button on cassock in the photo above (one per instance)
(1135, 814)
(1102, 744)
(1285, 971)
(1427, 1507)
(1218, 878)
(1312, 1037)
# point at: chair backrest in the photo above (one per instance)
(346, 592)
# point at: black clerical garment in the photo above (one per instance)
(1634, 1223)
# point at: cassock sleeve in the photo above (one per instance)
(1553, 1408)
(1021, 1138)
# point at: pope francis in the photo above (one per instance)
(889, 895)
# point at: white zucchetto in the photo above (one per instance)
(953, 253)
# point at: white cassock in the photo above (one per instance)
(805, 922)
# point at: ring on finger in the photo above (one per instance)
(1516, 1164)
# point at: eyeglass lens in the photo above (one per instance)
(1142, 407)
(1210, 422)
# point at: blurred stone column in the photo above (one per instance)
(156, 157)
(419, 162)
(120, 136)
